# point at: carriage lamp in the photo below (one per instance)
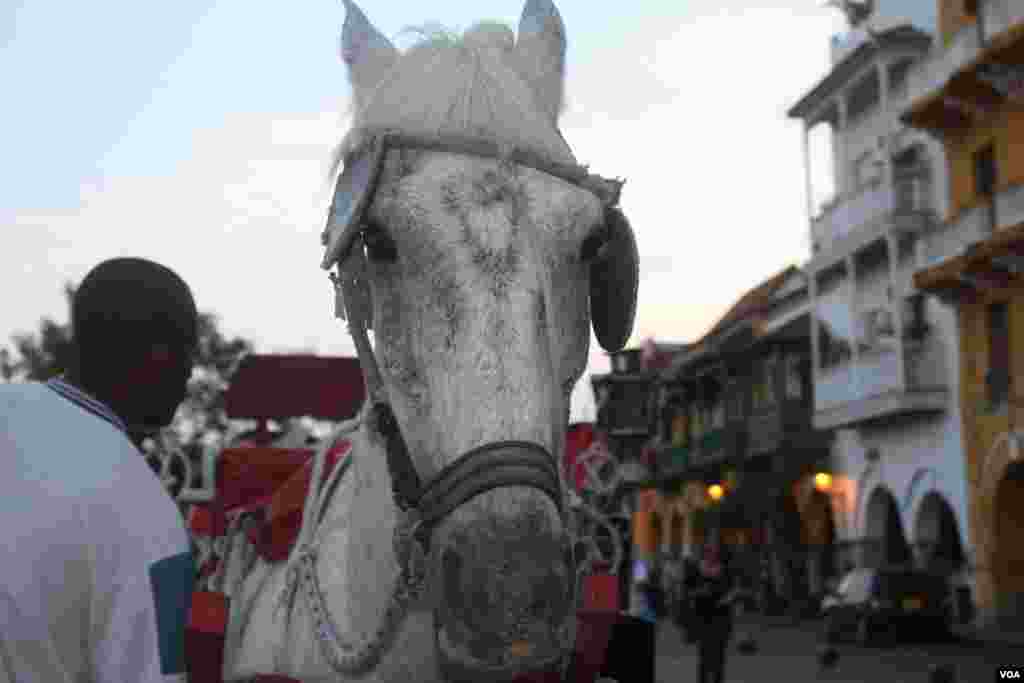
(715, 492)
(823, 482)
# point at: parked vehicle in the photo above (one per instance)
(877, 604)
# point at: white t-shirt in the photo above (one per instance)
(95, 567)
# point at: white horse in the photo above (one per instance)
(469, 240)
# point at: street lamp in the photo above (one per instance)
(715, 492)
(823, 482)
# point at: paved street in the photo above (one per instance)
(788, 654)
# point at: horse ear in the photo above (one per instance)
(540, 50)
(368, 54)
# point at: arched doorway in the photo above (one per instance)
(885, 543)
(937, 536)
(1008, 549)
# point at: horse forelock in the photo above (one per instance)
(466, 85)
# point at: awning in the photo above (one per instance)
(974, 267)
(966, 92)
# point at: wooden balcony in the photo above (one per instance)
(769, 429)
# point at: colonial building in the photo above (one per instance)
(885, 361)
(971, 99)
(624, 399)
(736, 448)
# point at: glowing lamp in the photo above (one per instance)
(823, 481)
(715, 491)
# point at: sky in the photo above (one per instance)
(199, 134)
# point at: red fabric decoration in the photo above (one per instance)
(284, 519)
(601, 592)
(206, 521)
(248, 477)
(204, 637)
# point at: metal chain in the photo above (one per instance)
(354, 658)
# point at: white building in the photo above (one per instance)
(885, 358)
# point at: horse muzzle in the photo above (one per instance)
(505, 607)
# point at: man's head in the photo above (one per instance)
(134, 327)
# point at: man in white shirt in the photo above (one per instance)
(95, 567)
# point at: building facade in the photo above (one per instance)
(736, 449)
(884, 357)
(971, 100)
(625, 400)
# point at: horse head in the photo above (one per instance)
(477, 251)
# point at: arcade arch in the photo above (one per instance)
(1001, 540)
(884, 540)
(937, 536)
(1008, 549)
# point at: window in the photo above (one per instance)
(718, 414)
(769, 370)
(866, 170)
(794, 377)
(985, 171)
(998, 376)
(833, 351)
(697, 420)
(898, 75)
(680, 428)
(735, 402)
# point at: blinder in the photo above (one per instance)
(614, 277)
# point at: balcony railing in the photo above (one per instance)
(673, 460)
(873, 374)
(842, 218)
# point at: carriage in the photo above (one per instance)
(256, 480)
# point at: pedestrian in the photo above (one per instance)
(96, 569)
(713, 586)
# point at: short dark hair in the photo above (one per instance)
(126, 305)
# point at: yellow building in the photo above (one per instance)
(973, 101)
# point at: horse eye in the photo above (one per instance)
(379, 245)
(595, 245)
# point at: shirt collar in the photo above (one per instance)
(87, 402)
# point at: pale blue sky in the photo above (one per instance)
(148, 128)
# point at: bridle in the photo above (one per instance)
(490, 466)
(487, 467)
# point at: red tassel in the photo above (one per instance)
(204, 637)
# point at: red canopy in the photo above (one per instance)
(267, 386)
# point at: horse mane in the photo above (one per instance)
(463, 85)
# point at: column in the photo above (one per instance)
(882, 69)
(898, 293)
(851, 298)
(808, 183)
(839, 139)
(812, 287)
